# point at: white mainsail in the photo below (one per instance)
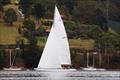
(56, 51)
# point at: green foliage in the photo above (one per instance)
(31, 57)
(117, 42)
(26, 6)
(48, 6)
(29, 25)
(72, 30)
(29, 32)
(41, 31)
(104, 40)
(4, 2)
(66, 4)
(115, 60)
(84, 11)
(108, 42)
(30, 53)
(94, 32)
(39, 11)
(10, 16)
(1, 7)
(101, 20)
(1, 59)
(77, 30)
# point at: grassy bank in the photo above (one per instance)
(74, 43)
(8, 35)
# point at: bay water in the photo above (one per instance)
(57, 75)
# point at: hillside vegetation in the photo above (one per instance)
(89, 25)
(8, 35)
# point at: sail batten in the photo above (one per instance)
(56, 51)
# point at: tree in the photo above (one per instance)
(68, 3)
(72, 29)
(101, 20)
(117, 43)
(29, 32)
(94, 32)
(39, 11)
(48, 7)
(108, 42)
(30, 53)
(1, 59)
(10, 16)
(26, 6)
(1, 7)
(1, 11)
(4, 2)
(84, 11)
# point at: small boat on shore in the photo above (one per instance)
(93, 69)
(12, 69)
(11, 62)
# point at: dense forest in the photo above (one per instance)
(84, 11)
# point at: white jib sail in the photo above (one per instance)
(56, 51)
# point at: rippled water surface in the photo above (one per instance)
(76, 75)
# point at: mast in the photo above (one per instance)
(64, 50)
(10, 58)
(87, 59)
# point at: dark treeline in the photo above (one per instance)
(79, 58)
(85, 11)
(79, 10)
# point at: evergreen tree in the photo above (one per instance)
(29, 32)
(30, 54)
(101, 20)
(26, 6)
(10, 16)
(39, 11)
(4, 2)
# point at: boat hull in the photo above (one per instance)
(54, 70)
(92, 69)
(12, 69)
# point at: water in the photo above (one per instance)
(77, 75)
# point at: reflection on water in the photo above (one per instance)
(78, 75)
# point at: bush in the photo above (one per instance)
(1, 59)
(115, 61)
(41, 31)
(10, 16)
(31, 56)
(73, 29)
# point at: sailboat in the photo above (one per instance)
(56, 53)
(91, 68)
(11, 62)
